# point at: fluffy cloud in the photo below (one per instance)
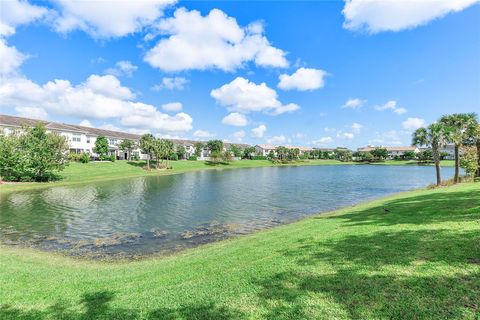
(354, 103)
(213, 41)
(14, 13)
(10, 59)
(121, 68)
(238, 135)
(276, 140)
(323, 141)
(413, 123)
(203, 134)
(31, 112)
(345, 135)
(379, 15)
(175, 83)
(303, 79)
(86, 123)
(99, 97)
(172, 106)
(235, 119)
(124, 17)
(391, 105)
(259, 131)
(244, 96)
(357, 127)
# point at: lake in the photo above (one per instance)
(139, 216)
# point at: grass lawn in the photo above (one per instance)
(420, 261)
(101, 171)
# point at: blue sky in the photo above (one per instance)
(314, 73)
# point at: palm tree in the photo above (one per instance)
(433, 136)
(147, 144)
(460, 127)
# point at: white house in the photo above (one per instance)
(82, 139)
(392, 151)
(264, 149)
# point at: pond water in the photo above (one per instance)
(157, 214)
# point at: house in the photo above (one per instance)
(264, 149)
(393, 152)
(82, 139)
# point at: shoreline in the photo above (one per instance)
(197, 166)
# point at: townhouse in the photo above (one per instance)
(82, 139)
(393, 152)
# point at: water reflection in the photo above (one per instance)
(145, 215)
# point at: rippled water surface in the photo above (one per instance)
(154, 214)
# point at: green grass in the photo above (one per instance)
(420, 261)
(103, 171)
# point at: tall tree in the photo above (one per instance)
(180, 151)
(101, 146)
(127, 146)
(147, 144)
(198, 146)
(433, 136)
(459, 132)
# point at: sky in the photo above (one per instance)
(313, 73)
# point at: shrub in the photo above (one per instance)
(174, 157)
(259, 158)
(84, 157)
(192, 158)
(112, 158)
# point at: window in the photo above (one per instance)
(88, 139)
(76, 137)
(112, 141)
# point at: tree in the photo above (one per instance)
(343, 155)
(236, 150)
(433, 136)
(425, 155)
(249, 152)
(460, 127)
(127, 146)
(101, 146)
(159, 151)
(408, 155)
(282, 152)
(216, 149)
(198, 146)
(379, 154)
(32, 154)
(169, 149)
(180, 151)
(469, 161)
(147, 145)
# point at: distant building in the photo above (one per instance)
(264, 149)
(392, 151)
(82, 139)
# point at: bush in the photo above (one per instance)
(79, 157)
(192, 158)
(259, 158)
(112, 158)
(174, 157)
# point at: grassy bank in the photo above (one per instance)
(419, 261)
(103, 171)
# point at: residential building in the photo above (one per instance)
(393, 152)
(82, 139)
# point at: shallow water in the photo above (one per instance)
(155, 214)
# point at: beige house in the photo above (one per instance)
(392, 151)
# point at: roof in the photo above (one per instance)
(13, 121)
(273, 147)
(392, 149)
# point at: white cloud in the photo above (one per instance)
(323, 141)
(376, 16)
(345, 135)
(391, 105)
(391, 137)
(121, 68)
(175, 83)
(277, 140)
(10, 58)
(99, 97)
(172, 106)
(259, 131)
(357, 127)
(354, 103)
(203, 134)
(31, 112)
(86, 123)
(235, 119)
(245, 96)
(303, 79)
(213, 41)
(14, 13)
(413, 123)
(108, 18)
(239, 135)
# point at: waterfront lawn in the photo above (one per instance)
(421, 260)
(102, 171)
